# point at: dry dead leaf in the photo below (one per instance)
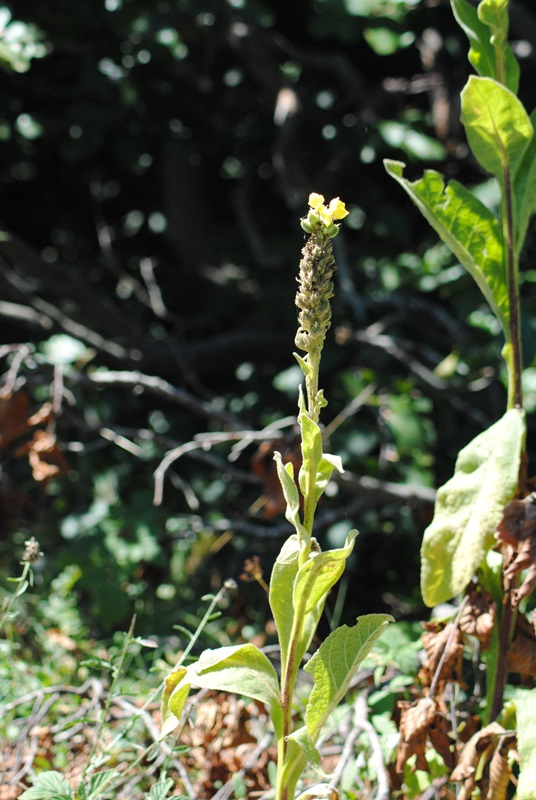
(478, 616)
(437, 638)
(517, 533)
(45, 456)
(522, 652)
(499, 769)
(471, 754)
(415, 721)
(13, 418)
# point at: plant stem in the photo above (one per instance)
(515, 394)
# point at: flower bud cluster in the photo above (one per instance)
(316, 271)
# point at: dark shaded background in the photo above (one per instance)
(154, 167)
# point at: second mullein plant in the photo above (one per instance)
(303, 574)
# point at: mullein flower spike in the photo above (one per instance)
(316, 271)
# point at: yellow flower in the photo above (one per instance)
(326, 214)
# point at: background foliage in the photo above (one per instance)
(156, 159)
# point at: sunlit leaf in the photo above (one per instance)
(335, 663)
(497, 126)
(467, 227)
(469, 507)
(480, 27)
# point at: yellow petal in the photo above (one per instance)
(315, 200)
(337, 209)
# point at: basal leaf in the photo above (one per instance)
(467, 227)
(281, 589)
(334, 665)
(526, 742)
(469, 507)
(497, 126)
(319, 573)
(96, 784)
(525, 188)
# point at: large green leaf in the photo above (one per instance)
(319, 574)
(490, 59)
(525, 189)
(526, 742)
(497, 126)
(332, 667)
(468, 228)
(469, 507)
(242, 669)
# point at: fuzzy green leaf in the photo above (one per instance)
(526, 742)
(469, 507)
(285, 473)
(281, 588)
(242, 669)
(49, 786)
(174, 697)
(482, 53)
(325, 471)
(305, 366)
(494, 14)
(497, 126)
(302, 737)
(467, 227)
(334, 665)
(319, 574)
(525, 189)
(311, 448)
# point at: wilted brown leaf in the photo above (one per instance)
(517, 533)
(522, 652)
(13, 418)
(471, 753)
(443, 640)
(45, 456)
(415, 721)
(499, 769)
(478, 616)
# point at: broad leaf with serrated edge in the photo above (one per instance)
(526, 742)
(49, 786)
(467, 227)
(334, 665)
(497, 126)
(469, 507)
